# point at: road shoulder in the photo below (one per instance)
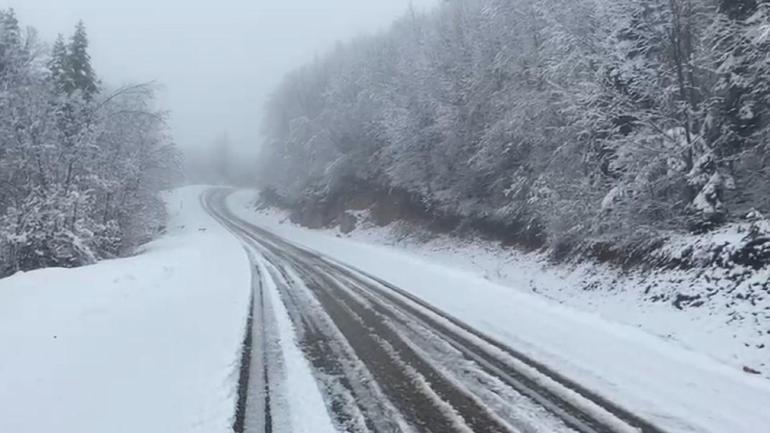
(149, 343)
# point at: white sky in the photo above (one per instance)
(217, 60)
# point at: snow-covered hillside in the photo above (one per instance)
(145, 344)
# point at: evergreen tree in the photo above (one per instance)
(10, 39)
(11, 34)
(81, 74)
(58, 65)
(741, 91)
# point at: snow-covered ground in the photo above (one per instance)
(150, 343)
(679, 368)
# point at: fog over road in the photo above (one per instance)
(385, 361)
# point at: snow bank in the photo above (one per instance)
(681, 389)
(145, 344)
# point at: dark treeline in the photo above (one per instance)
(570, 122)
(80, 168)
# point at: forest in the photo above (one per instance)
(564, 124)
(81, 164)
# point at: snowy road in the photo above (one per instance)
(384, 361)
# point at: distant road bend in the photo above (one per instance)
(386, 361)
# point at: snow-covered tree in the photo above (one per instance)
(58, 66)
(79, 178)
(545, 119)
(81, 75)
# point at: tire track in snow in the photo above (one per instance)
(253, 404)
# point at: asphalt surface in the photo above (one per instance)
(385, 361)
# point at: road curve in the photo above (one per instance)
(386, 361)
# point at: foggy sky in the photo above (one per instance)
(217, 60)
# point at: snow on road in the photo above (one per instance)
(147, 344)
(303, 408)
(677, 388)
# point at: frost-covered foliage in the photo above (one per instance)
(80, 168)
(577, 121)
